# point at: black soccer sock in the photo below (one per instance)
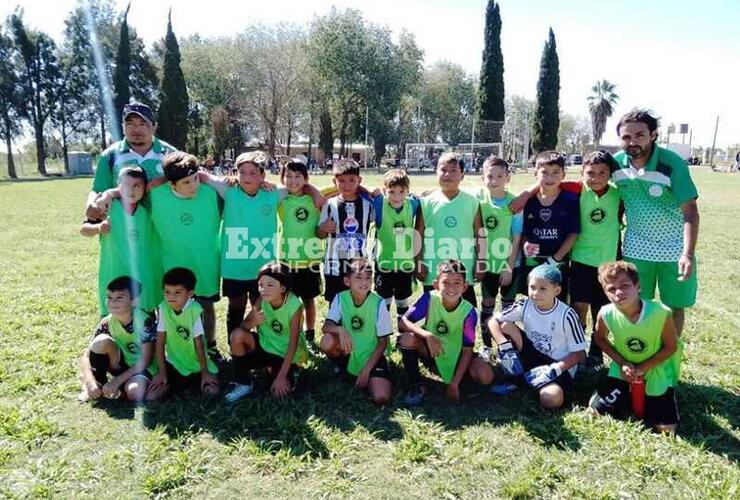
(341, 362)
(594, 350)
(310, 335)
(100, 364)
(234, 318)
(242, 373)
(411, 365)
(486, 313)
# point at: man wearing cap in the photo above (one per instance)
(139, 147)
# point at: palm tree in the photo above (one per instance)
(601, 106)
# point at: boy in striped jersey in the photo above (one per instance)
(550, 343)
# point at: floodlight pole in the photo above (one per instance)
(714, 142)
(367, 114)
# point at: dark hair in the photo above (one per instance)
(396, 177)
(637, 115)
(134, 172)
(178, 165)
(356, 265)
(549, 158)
(180, 276)
(495, 161)
(277, 271)
(345, 166)
(294, 166)
(451, 266)
(125, 283)
(601, 157)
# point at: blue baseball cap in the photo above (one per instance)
(138, 108)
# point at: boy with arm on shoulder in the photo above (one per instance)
(357, 333)
(445, 342)
(644, 348)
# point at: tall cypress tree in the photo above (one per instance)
(491, 87)
(172, 120)
(123, 70)
(547, 110)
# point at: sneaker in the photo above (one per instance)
(485, 353)
(502, 389)
(415, 396)
(238, 392)
(593, 363)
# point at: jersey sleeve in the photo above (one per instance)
(324, 213)
(103, 176)
(517, 224)
(471, 320)
(682, 185)
(160, 320)
(148, 330)
(383, 324)
(102, 328)
(574, 335)
(420, 309)
(198, 330)
(415, 205)
(335, 311)
(513, 313)
(574, 187)
(377, 204)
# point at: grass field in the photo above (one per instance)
(330, 441)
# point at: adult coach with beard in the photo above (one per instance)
(662, 216)
(138, 148)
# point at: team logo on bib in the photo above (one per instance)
(133, 234)
(635, 345)
(442, 328)
(301, 214)
(399, 225)
(186, 219)
(266, 209)
(451, 221)
(597, 215)
(545, 214)
(351, 225)
(132, 348)
(357, 323)
(656, 190)
(491, 222)
(276, 326)
(183, 332)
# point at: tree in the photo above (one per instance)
(172, 120)
(221, 131)
(519, 118)
(326, 134)
(40, 77)
(547, 111)
(601, 106)
(447, 100)
(121, 90)
(491, 85)
(12, 105)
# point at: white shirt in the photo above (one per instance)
(383, 325)
(197, 327)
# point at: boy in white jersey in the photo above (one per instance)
(550, 343)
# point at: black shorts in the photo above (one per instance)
(431, 365)
(332, 286)
(489, 287)
(390, 284)
(123, 366)
(240, 288)
(585, 286)
(178, 382)
(468, 294)
(532, 358)
(381, 368)
(306, 282)
(613, 398)
(259, 358)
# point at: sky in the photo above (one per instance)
(679, 58)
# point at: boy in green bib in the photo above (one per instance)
(129, 245)
(122, 345)
(445, 342)
(644, 348)
(278, 343)
(450, 226)
(181, 353)
(503, 237)
(187, 217)
(357, 333)
(395, 219)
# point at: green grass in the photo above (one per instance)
(330, 441)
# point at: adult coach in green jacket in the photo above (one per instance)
(662, 216)
(139, 147)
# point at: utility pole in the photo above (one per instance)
(367, 114)
(714, 142)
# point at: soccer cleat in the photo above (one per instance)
(415, 396)
(238, 392)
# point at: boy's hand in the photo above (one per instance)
(434, 345)
(280, 387)
(453, 393)
(363, 378)
(93, 389)
(531, 249)
(685, 267)
(345, 341)
(159, 380)
(319, 201)
(208, 380)
(256, 316)
(111, 389)
(518, 203)
(628, 372)
(505, 278)
(421, 271)
(104, 227)
(542, 375)
(155, 183)
(376, 192)
(479, 276)
(267, 186)
(103, 202)
(328, 226)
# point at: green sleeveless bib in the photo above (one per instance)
(447, 326)
(396, 238)
(299, 244)
(130, 343)
(274, 332)
(180, 346)
(360, 322)
(599, 237)
(497, 223)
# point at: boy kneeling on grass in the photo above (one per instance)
(181, 352)
(644, 349)
(445, 342)
(357, 332)
(550, 343)
(122, 345)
